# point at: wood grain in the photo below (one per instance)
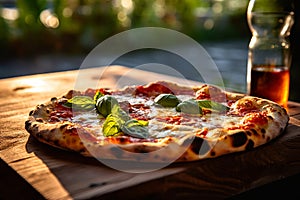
(54, 174)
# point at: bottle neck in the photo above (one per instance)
(269, 33)
(269, 42)
(270, 24)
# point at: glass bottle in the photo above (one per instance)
(269, 57)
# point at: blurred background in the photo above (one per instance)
(40, 36)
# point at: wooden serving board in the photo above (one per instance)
(32, 170)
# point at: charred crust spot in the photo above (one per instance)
(48, 111)
(53, 99)
(285, 112)
(53, 130)
(212, 153)
(254, 132)
(239, 139)
(31, 112)
(279, 113)
(39, 119)
(263, 131)
(122, 140)
(44, 132)
(82, 150)
(27, 124)
(140, 149)
(184, 157)
(268, 139)
(72, 93)
(248, 133)
(270, 117)
(200, 146)
(249, 145)
(281, 130)
(63, 126)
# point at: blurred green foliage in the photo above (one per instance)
(76, 26)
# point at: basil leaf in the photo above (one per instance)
(143, 122)
(119, 121)
(190, 106)
(135, 128)
(212, 105)
(120, 113)
(111, 126)
(167, 100)
(105, 104)
(80, 103)
(114, 121)
(98, 95)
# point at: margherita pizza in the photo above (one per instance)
(158, 122)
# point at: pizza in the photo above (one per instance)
(157, 122)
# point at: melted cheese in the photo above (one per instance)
(214, 122)
(160, 128)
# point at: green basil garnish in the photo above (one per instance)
(105, 104)
(135, 128)
(212, 105)
(143, 122)
(119, 121)
(190, 106)
(120, 113)
(80, 103)
(98, 95)
(111, 126)
(167, 100)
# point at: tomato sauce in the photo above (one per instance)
(60, 112)
(202, 133)
(177, 120)
(91, 92)
(258, 118)
(139, 111)
(128, 140)
(153, 90)
(211, 93)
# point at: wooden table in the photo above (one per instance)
(31, 170)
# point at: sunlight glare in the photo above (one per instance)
(48, 19)
(10, 14)
(33, 84)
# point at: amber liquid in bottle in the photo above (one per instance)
(270, 82)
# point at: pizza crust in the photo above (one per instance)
(73, 137)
